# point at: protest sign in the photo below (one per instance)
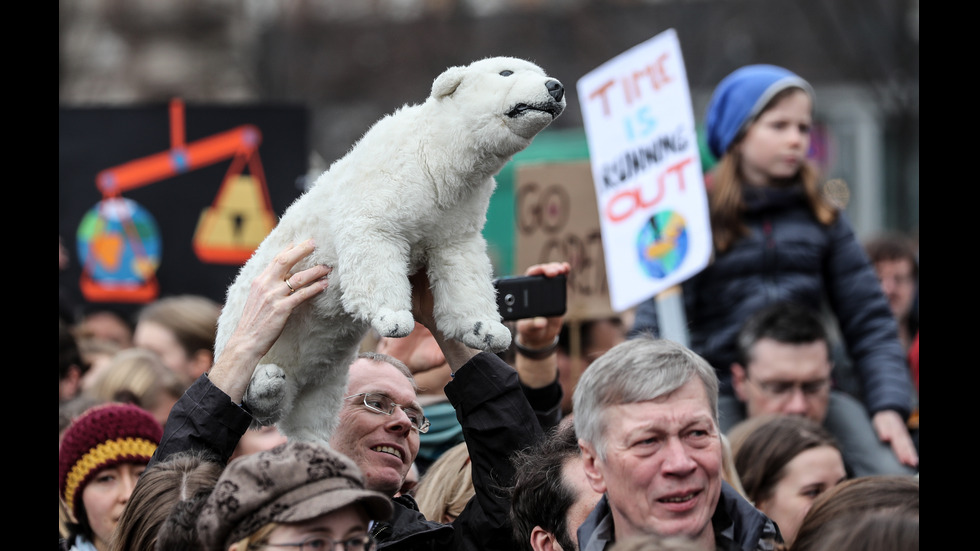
(557, 221)
(646, 168)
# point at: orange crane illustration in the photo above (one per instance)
(118, 265)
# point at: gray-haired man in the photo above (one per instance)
(646, 414)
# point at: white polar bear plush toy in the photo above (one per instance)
(413, 192)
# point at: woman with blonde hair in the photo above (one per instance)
(138, 376)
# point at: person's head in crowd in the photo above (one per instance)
(182, 330)
(68, 411)
(594, 338)
(97, 354)
(102, 454)
(160, 489)
(296, 493)
(138, 376)
(785, 363)
(447, 485)
(785, 462)
(758, 125)
(107, 325)
(896, 261)
(646, 414)
(71, 366)
(380, 421)
(894, 495)
(550, 496)
(873, 531)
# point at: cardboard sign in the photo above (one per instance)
(557, 220)
(646, 168)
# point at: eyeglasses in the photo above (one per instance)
(784, 389)
(322, 543)
(379, 403)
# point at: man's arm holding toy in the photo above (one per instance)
(209, 415)
(496, 419)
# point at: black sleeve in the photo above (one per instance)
(497, 420)
(546, 403)
(203, 418)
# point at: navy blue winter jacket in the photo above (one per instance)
(789, 255)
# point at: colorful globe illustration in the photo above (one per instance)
(119, 242)
(662, 244)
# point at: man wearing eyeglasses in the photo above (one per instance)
(381, 419)
(786, 369)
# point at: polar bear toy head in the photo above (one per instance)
(501, 95)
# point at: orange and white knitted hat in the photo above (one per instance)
(103, 436)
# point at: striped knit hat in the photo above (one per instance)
(103, 436)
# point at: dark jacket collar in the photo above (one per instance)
(759, 199)
(736, 523)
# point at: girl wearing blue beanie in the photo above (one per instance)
(758, 126)
(778, 238)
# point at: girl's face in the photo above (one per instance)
(808, 475)
(105, 497)
(331, 528)
(776, 144)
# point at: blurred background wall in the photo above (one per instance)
(351, 61)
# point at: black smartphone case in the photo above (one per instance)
(520, 297)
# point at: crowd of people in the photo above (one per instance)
(595, 436)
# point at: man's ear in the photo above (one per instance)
(543, 540)
(738, 381)
(589, 463)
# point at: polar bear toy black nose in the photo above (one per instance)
(555, 88)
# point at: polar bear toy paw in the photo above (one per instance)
(265, 394)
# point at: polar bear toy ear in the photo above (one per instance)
(446, 83)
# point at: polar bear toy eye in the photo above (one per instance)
(506, 73)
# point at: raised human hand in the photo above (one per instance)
(540, 332)
(272, 297)
(892, 429)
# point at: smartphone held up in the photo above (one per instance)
(520, 297)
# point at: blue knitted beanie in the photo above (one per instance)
(740, 97)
